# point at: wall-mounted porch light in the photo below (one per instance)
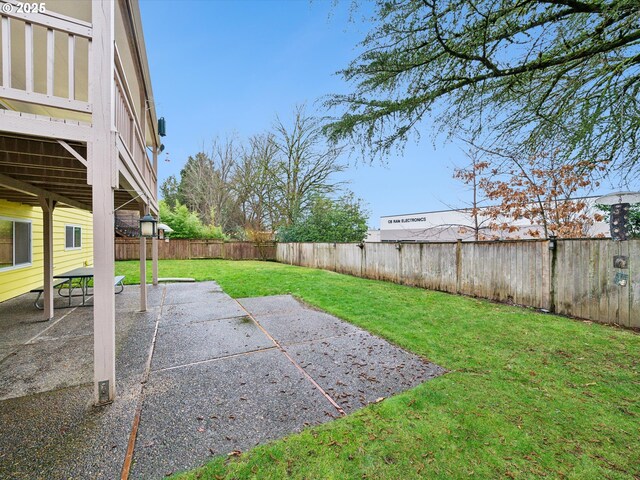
(148, 226)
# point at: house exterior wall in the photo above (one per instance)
(19, 280)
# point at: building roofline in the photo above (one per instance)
(469, 208)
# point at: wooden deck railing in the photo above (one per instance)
(21, 88)
(129, 127)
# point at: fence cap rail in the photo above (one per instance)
(127, 248)
(451, 242)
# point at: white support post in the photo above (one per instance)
(143, 266)
(154, 260)
(102, 160)
(48, 205)
(154, 241)
(103, 275)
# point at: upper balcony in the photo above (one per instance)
(44, 73)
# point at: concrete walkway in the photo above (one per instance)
(224, 375)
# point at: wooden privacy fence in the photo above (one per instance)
(182, 249)
(570, 277)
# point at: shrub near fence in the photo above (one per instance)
(181, 249)
(574, 278)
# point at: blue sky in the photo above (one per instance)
(225, 67)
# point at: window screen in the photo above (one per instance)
(22, 243)
(72, 236)
(68, 237)
(77, 237)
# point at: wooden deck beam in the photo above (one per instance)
(32, 190)
(40, 126)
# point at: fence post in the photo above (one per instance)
(399, 263)
(552, 247)
(458, 265)
(335, 257)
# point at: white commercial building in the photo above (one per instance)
(453, 225)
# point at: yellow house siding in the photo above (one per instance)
(20, 280)
(64, 260)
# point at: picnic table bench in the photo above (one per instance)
(40, 290)
(84, 275)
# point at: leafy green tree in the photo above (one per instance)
(633, 227)
(327, 220)
(520, 74)
(187, 224)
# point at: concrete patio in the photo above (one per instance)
(207, 374)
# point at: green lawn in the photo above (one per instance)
(527, 394)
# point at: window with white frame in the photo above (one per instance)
(15, 243)
(72, 237)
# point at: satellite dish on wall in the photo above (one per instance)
(619, 197)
